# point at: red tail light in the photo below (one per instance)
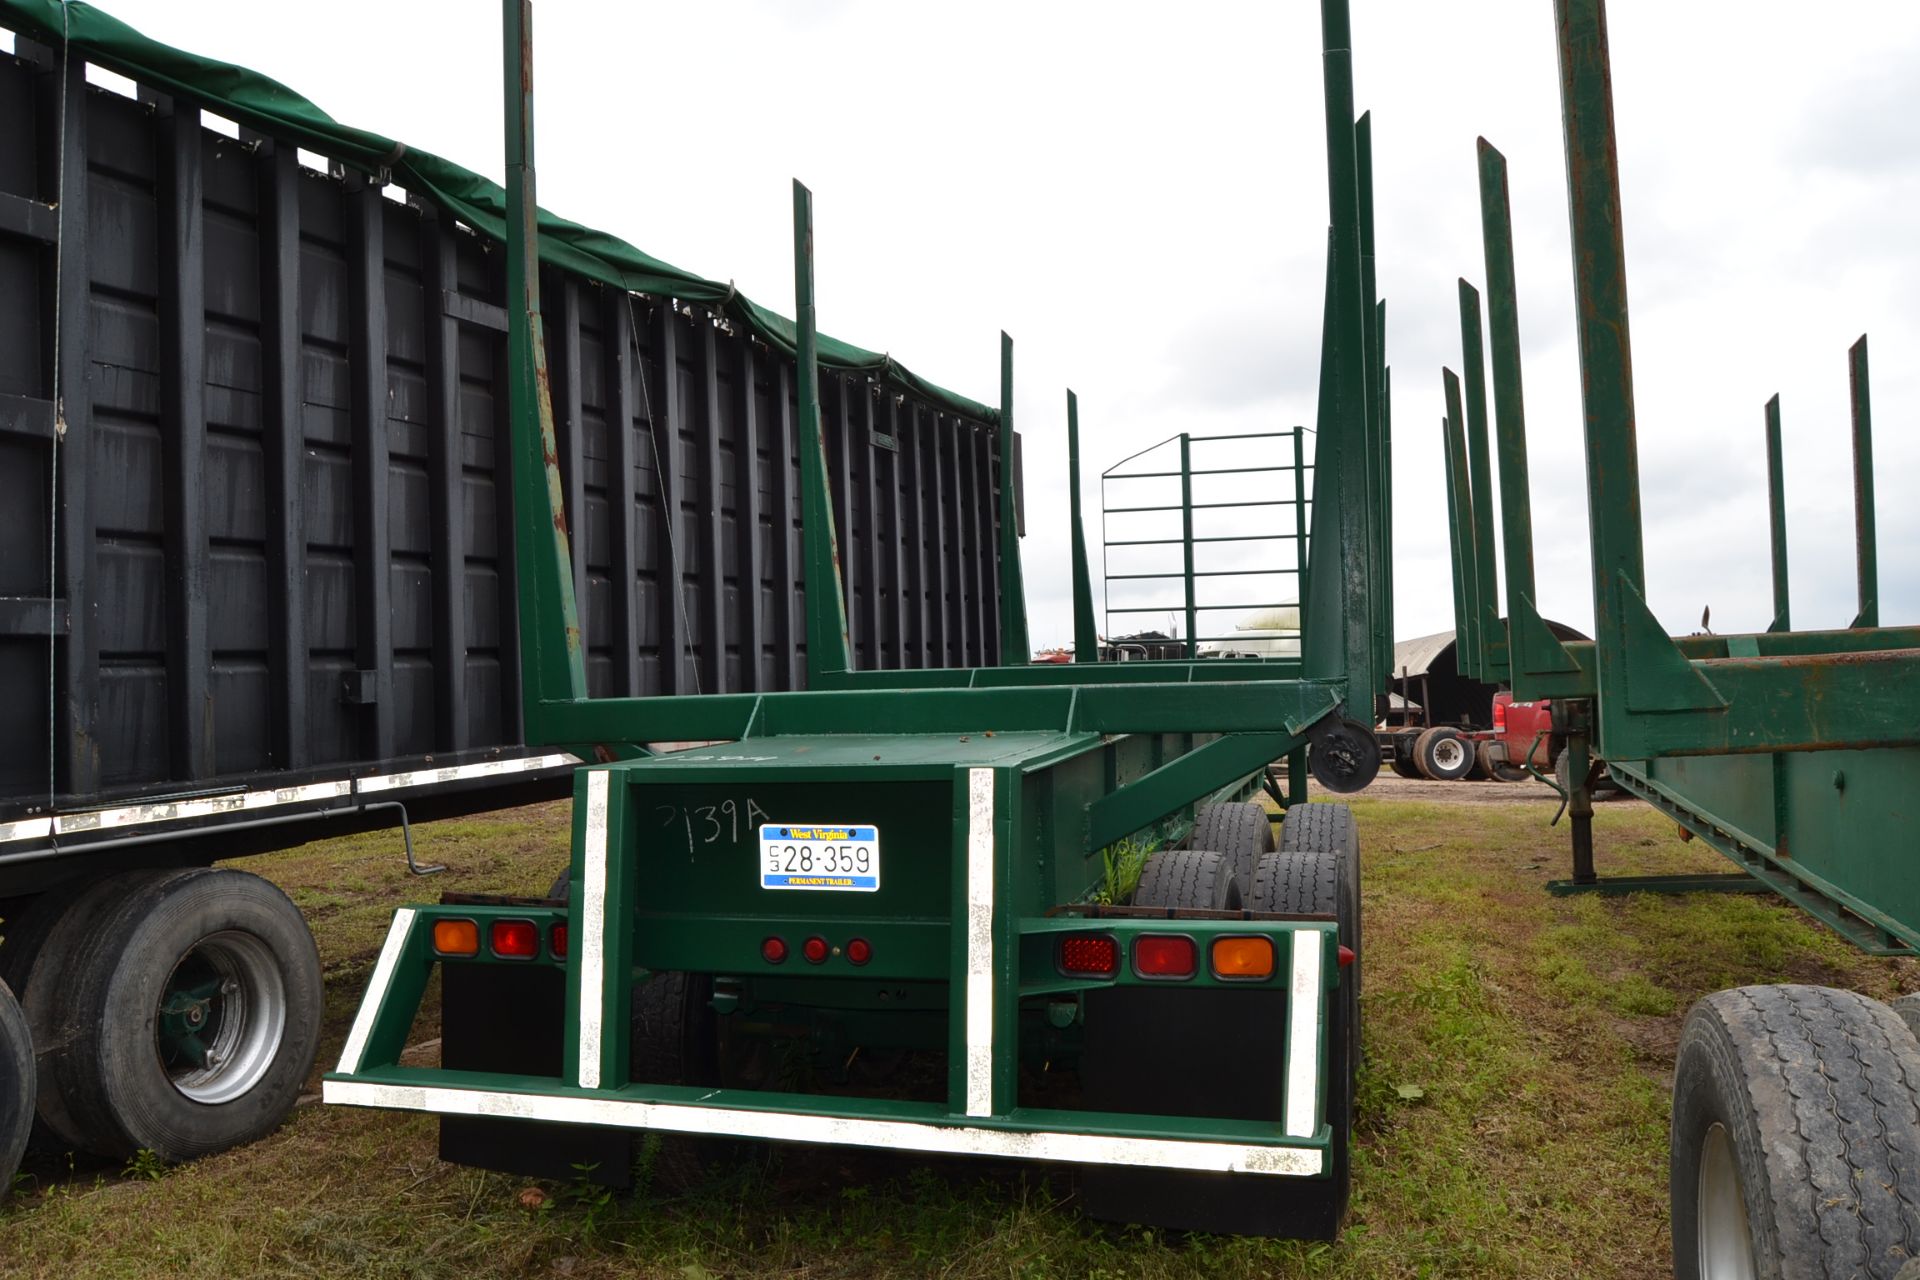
(1094, 955)
(815, 950)
(557, 940)
(859, 951)
(516, 939)
(774, 950)
(1158, 955)
(1499, 715)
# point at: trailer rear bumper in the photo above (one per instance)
(1073, 1137)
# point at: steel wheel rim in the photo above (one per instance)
(228, 991)
(1720, 1211)
(1448, 754)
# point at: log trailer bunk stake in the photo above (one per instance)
(1796, 1109)
(910, 859)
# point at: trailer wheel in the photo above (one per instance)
(1188, 878)
(41, 963)
(16, 1086)
(1796, 1119)
(194, 1017)
(1442, 754)
(1405, 768)
(1241, 831)
(1496, 769)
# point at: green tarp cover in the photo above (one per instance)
(269, 107)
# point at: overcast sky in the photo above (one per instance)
(1138, 195)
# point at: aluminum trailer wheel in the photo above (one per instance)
(1796, 1137)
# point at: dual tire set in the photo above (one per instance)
(1143, 1043)
(1443, 754)
(175, 1012)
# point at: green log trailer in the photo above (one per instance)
(900, 861)
(1796, 1109)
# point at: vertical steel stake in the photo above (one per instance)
(1086, 637)
(1777, 518)
(828, 651)
(1864, 540)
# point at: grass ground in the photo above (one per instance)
(1513, 1123)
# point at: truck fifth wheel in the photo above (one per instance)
(1795, 1141)
(912, 860)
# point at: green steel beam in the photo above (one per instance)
(1086, 636)
(1864, 537)
(1137, 805)
(551, 663)
(1186, 544)
(1466, 563)
(1538, 665)
(828, 649)
(1337, 642)
(1015, 650)
(1379, 624)
(1777, 519)
(1490, 654)
(1606, 363)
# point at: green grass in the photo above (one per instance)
(1513, 1103)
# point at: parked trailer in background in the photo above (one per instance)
(916, 861)
(1796, 1109)
(268, 473)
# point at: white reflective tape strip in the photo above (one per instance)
(593, 923)
(139, 815)
(460, 773)
(390, 952)
(979, 942)
(26, 829)
(783, 1126)
(1304, 996)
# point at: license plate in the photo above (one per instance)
(820, 857)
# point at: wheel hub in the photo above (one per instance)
(221, 1018)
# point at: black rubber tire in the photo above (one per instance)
(1188, 878)
(28, 922)
(1442, 754)
(44, 974)
(1495, 770)
(1406, 768)
(1908, 1007)
(1316, 871)
(16, 1086)
(116, 1086)
(675, 1042)
(1816, 1094)
(1239, 830)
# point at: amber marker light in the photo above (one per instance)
(1248, 959)
(456, 937)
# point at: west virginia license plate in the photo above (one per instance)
(820, 857)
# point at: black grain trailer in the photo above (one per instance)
(257, 581)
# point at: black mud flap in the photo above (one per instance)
(1195, 1052)
(511, 1019)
